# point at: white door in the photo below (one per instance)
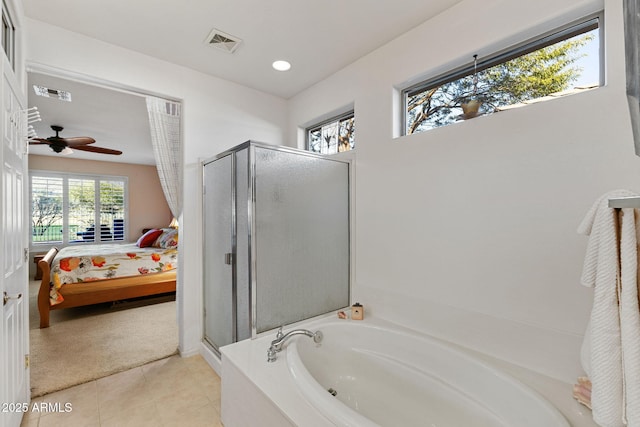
(14, 330)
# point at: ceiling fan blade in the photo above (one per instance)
(78, 140)
(94, 149)
(35, 141)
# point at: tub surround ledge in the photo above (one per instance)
(255, 392)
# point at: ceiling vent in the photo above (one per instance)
(62, 95)
(223, 41)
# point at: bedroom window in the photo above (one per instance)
(332, 136)
(65, 208)
(564, 62)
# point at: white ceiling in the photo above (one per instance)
(317, 37)
(114, 119)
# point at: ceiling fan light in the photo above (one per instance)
(66, 151)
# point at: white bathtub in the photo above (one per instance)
(383, 375)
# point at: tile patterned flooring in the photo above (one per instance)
(170, 392)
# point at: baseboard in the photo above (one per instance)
(189, 353)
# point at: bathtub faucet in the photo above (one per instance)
(276, 345)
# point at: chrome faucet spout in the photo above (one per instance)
(278, 343)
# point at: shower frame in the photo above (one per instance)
(252, 226)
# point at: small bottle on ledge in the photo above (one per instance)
(357, 311)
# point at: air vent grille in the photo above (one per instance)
(62, 95)
(223, 41)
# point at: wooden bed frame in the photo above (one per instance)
(80, 294)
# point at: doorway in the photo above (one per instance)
(116, 117)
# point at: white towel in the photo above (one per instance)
(605, 339)
(630, 315)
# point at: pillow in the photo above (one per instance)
(148, 238)
(168, 239)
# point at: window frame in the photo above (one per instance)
(8, 35)
(556, 35)
(65, 176)
(350, 114)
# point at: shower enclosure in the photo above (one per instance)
(276, 239)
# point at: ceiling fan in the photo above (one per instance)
(63, 145)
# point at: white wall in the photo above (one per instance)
(468, 232)
(217, 115)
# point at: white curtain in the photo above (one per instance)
(164, 120)
(632, 55)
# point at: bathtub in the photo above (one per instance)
(372, 373)
(365, 375)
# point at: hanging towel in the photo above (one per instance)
(630, 316)
(611, 264)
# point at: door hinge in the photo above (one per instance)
(26, 254)
(27, 361)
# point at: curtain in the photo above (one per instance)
(164, 121)
(632, 55)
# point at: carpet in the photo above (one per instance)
(86, 343)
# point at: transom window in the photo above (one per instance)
(69, 208)
(332, 136)
(563, 63)
(8, 34)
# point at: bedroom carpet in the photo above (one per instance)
(86, 343)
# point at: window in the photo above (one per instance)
(65, 208)
(565, 62)
(8, 34)
(332, 136)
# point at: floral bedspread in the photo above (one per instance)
(80, 264)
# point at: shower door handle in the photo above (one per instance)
(229, 258)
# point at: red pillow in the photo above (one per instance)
(148, 238)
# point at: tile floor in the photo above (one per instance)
(170, 392)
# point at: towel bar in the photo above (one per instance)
(625, 202)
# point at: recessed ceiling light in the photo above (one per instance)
(281, 65)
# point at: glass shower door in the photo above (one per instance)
(219, 293)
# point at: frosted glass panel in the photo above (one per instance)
(242, 245)
(218, 281)
(301, 237)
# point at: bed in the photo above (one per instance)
(91, 274)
